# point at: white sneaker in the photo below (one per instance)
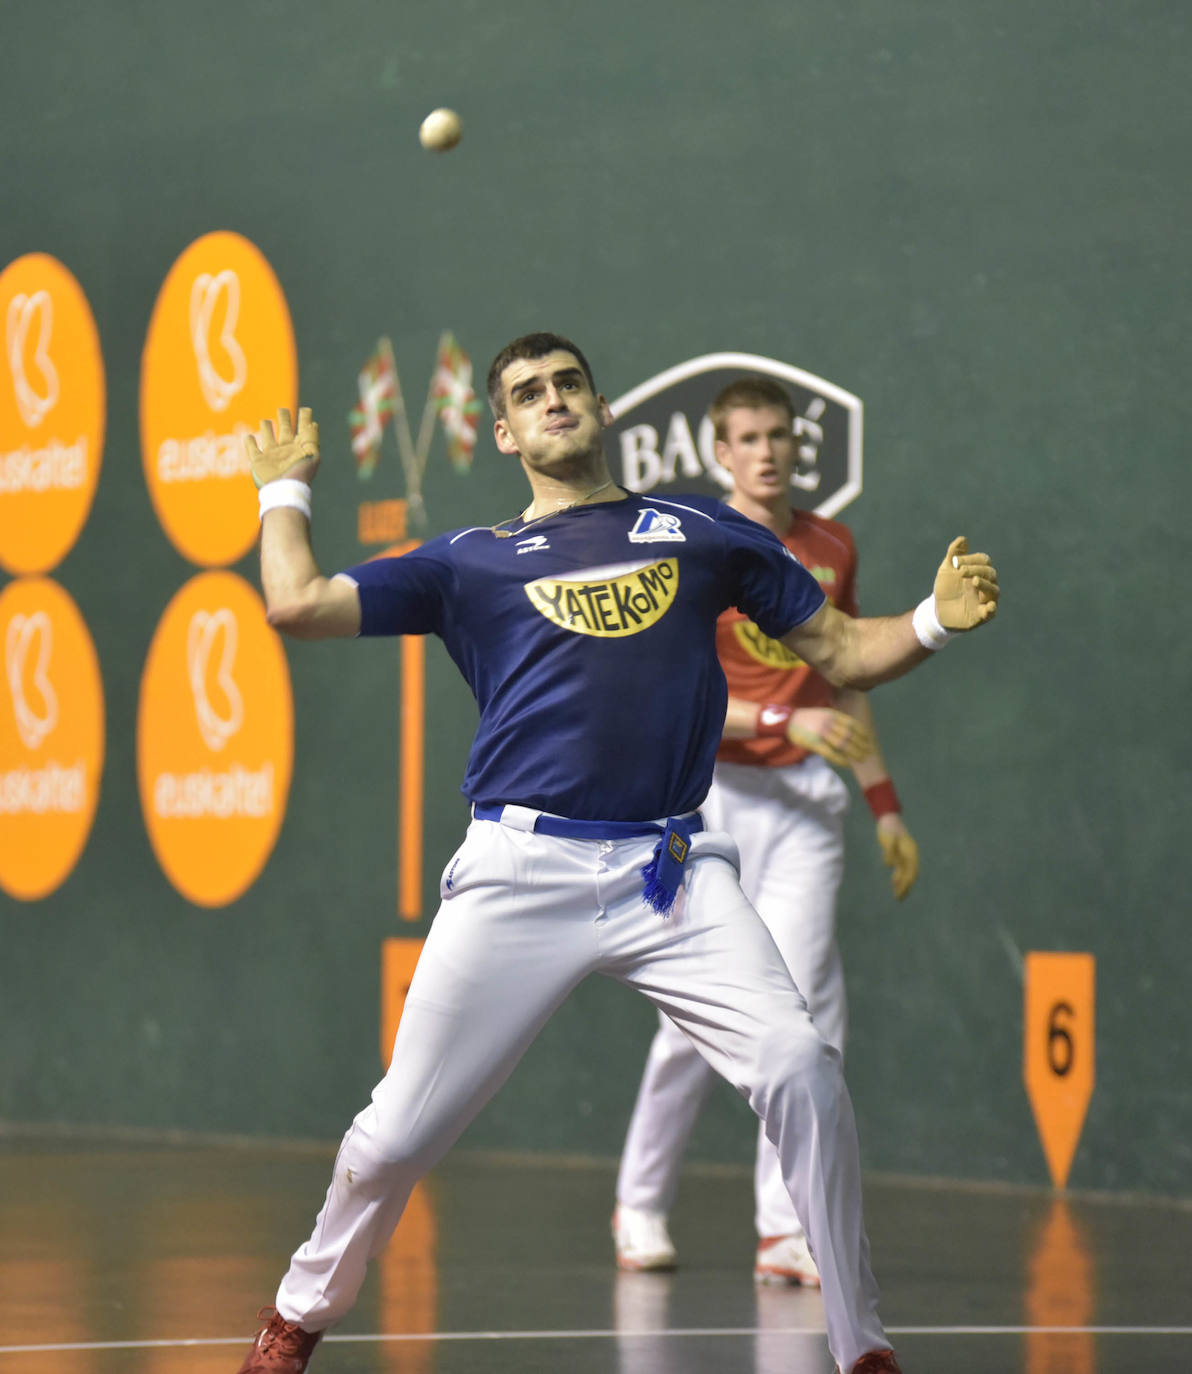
(785, 1259)
(642, 1240)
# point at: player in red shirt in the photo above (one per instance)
(785, 807)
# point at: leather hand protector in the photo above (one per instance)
(834, 735)
(284, 454)
(966, 588)
(900, 853)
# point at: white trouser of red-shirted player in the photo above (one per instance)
(788, 823)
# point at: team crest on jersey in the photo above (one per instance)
(611, 605)
(761, 648)
(657, 527)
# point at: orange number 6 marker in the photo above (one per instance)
(1058, 1052)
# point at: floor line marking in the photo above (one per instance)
(383, 1337)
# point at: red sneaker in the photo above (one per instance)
(281, 1347)
(877, 1362)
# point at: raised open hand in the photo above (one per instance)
(284, 453)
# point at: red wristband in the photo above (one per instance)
(882, 799)
(771, 721)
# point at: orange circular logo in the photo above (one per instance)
(52, 408)
(51, 737)
(215, 738)
(219, 358)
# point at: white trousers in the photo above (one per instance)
(524, 919)
(789, 827)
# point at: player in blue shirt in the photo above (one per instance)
(585, 626)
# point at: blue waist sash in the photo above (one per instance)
(661, 877)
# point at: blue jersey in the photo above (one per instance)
(589, 641)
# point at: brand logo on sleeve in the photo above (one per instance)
(657, 527)
(762, 649)
(608, 603)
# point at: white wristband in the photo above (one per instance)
(928, 630)
(285, 491)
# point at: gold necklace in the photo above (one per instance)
(562, 505)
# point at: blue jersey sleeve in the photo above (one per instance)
(408, 595)
(766, 581)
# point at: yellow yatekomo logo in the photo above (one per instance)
(608, 603)
(772, 652)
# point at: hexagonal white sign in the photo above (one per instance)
(661, 439)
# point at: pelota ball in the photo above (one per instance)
(441, 130)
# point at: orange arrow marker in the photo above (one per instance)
(1058, 1052)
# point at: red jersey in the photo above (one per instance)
(764, 670)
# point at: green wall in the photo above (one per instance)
(973, 216)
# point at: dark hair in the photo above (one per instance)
(747, 393)
(528, 346)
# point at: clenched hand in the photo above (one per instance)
(966, 589)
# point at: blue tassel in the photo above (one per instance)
(655, 893)
(662, 876)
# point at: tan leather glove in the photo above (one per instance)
(284, 454)
(899, 853)
(966, 589)
(834, 735)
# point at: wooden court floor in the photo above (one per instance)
(153, 1259)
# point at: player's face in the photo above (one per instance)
(759, 449)
(552, 416)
